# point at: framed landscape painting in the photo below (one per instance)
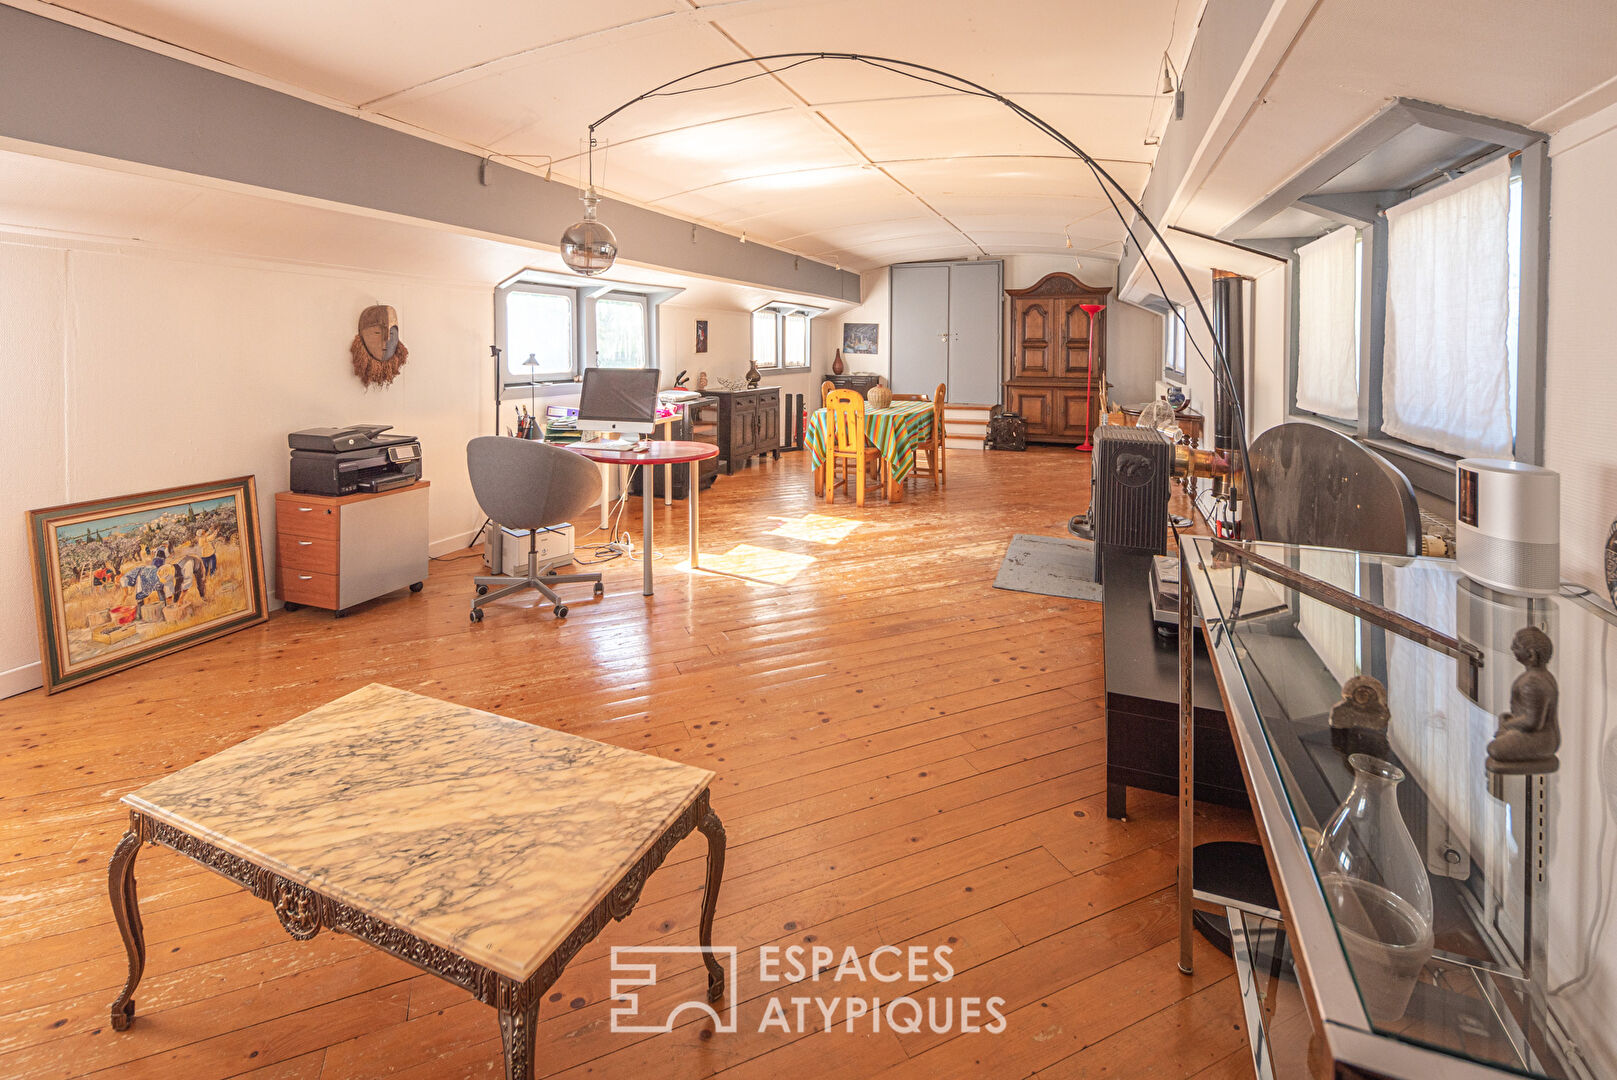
(120, 581)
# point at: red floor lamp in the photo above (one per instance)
(1089, 374)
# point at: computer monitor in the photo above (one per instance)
(619, 399)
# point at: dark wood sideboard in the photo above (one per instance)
(748, 424)
(1050, 358)
(863, 384)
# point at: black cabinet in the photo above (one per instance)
(749, 424)
(1142, 699)
(864, 384)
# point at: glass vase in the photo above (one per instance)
(1375, 882)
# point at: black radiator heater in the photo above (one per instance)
(1129, 496)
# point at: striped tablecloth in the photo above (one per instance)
(894, 431)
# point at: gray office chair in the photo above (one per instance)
(529, 486)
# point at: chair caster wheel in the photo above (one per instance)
(290, 606)
(477, 614)
(482, 590)
(552, 572)
(561, 611)
(600, 590)
(418, 586)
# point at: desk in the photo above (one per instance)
(483, 850)
(895, 432)
(566, 436)
(1512, 861)
(661, 453)
(1142, 700)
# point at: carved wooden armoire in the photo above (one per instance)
(1050, 357)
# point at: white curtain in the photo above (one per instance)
(1327, 326)
(1332, 632)
(1446, 379)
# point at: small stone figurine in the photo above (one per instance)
(1359, 721)
(1530, 733)
(701, 380)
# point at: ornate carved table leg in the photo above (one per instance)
(517, 1029)
(121, 887)
(713, 829)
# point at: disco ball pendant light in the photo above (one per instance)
(588, 247)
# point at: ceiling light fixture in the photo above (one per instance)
(588, 247)
(920, 72)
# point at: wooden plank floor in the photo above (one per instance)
(906, 756)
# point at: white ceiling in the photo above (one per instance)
(842, 162)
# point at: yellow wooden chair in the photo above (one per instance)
(825, 391)
(848, 445)
(935, 466)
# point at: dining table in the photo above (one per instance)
(895, 431)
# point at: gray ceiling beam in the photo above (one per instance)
(1392, 119)
(1349, 207)
(62, 86)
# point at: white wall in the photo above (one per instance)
(1580, 375)
(729, 352)
(1581, 358)
(129, 370)
(876, 303)
(1134, 352)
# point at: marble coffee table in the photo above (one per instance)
(484, 850)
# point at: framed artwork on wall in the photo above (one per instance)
(701, 335)
(860, 338)
(123, 580)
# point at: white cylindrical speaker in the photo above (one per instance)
(1507, 531)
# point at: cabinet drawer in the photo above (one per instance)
(305, 517)
(307, 587)
(306, 553)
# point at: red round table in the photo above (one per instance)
(662, 452)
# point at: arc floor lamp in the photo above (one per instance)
(590, 248)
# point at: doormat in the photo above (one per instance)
(1049, 566)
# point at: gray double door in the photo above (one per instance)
(947, 329)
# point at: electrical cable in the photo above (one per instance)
(614, 549)
(958, 84)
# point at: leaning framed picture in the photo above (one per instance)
(121, 581)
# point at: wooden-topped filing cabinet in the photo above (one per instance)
(749, 424)
(335, 552)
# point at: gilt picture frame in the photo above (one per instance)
(123, 580)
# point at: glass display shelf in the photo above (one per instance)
(1517, 971)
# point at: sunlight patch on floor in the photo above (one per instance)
(764, 565)
(816, 528)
